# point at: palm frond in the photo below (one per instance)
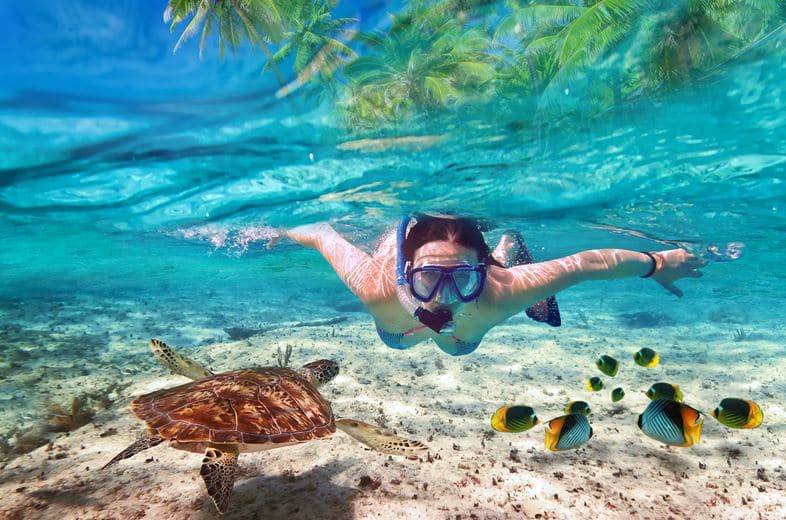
(766, 7)
(441, 90)
(194, 25)
(542, 46)
(179, 10)
(478, 70)
(576, 66)
(605, 14)
(536, 17)
(206, 30)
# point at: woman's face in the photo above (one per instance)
(444, 253)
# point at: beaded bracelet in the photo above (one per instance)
(654, 267)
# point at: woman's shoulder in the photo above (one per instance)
(386, 246)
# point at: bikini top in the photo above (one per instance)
(396, 340)
(545, 311)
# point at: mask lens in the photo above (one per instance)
(425, 282)
(467, 281)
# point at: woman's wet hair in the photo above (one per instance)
(464, 231)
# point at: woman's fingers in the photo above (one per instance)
(673, 289)
(275, 239)
(696, 262)
(691, 266)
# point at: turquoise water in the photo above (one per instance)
(96, 195)
(116, 189)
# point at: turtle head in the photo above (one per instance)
(319, 372)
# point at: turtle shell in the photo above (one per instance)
(249, 406)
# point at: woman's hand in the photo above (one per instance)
(677, 263)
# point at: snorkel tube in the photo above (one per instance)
(440, 321)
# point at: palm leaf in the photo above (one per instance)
(282, 53)
(304, 54)
(248, 25)
(577, 64)
(206, 30)
(599, 17)
(440, 89)
(370, 39)
(227, 29)
(476, 69)
(537, 17)
(541, 46)
(767, 7)
(179, 10)
(194, 25)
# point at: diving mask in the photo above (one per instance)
(462, 282)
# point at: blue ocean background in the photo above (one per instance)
(138, 188)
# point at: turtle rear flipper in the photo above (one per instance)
(142, 444)
(176, 362)
(219, 470)
(381, 440)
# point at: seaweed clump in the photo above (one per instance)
(645, 319)
(284, 356)
(23, 443)
(742, 335)
(61, 420)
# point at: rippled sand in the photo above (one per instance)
(471, 471)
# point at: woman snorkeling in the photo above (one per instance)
(434, 277)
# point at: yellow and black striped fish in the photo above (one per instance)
(581, 407)
(646, 357)
(514, 419)
(738, 413)
(672, 423)
(665, 391)
(567, 432)
(608, 365)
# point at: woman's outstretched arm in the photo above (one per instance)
(515, 288)
(361, 273)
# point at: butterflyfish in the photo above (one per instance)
(738, 413)
(594, 384)
(567, 432)
(665, 391)
(646, 357)
(514, 419)
(578, 407)
(672, 423)
(608, 365)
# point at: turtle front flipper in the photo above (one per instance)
(176, 362)
(381, 440)
(219, 469)
(140, 445)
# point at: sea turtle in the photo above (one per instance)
(252, 409)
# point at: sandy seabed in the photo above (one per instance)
(471, 471)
